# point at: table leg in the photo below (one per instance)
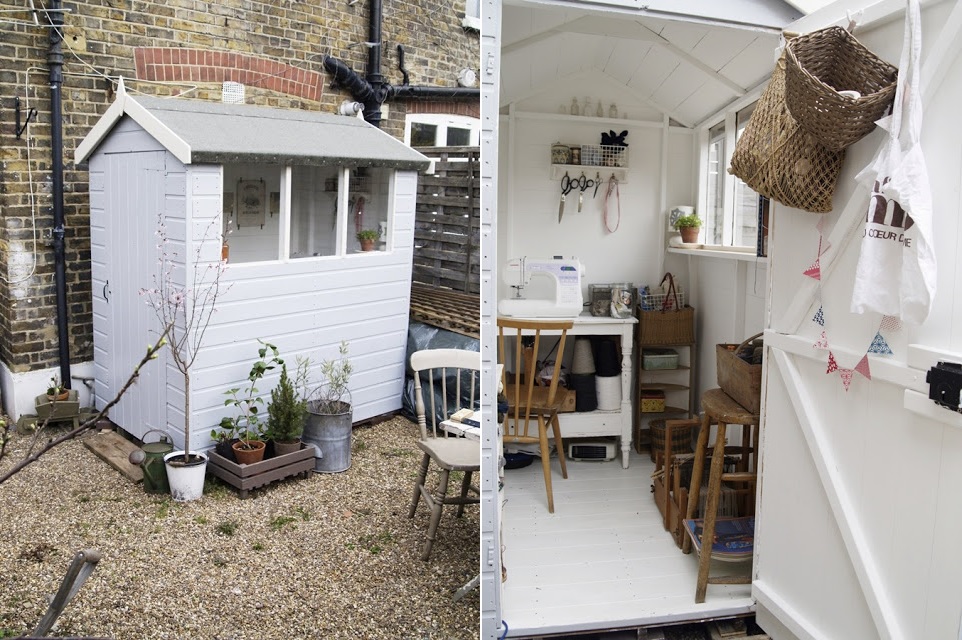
(626, 408)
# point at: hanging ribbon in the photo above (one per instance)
(612, 187)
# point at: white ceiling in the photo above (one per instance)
(688, 64)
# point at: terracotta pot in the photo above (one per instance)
(689, 235)
(367, 245)
(250, 455)
(63, 395)
(283, 448)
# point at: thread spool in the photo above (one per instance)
(583, 360)
(607, 358)
(586, 392)
(609, 392)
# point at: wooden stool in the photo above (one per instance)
(721, 409)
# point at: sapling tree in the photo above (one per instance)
(187, 307)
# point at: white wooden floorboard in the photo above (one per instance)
(603, 559)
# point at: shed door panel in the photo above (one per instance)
(135, 195)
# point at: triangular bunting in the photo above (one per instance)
(814, 271)
(822, 342)
(890, 323)
(880, 346)
(821, 224)
(863, 368)
(846, 377)
(832, 365)
(819, 317)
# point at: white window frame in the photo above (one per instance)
(472, 15)
(442, 121)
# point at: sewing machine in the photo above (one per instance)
(544, 288)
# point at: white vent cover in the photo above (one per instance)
(232, 93)
(593, 450)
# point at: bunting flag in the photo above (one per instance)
(820, 318)
(814, 271)
(880, 346)
(822, 342)
(846, 375)
(820, 225)
(890, 323)
(863, 368)
(832, 365)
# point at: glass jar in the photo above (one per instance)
(575, 109)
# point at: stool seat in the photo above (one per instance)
(719, 409)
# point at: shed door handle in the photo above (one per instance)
(106, 284)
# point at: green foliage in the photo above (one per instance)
(246, 425)
(227, 528)
(55, 388)
(688, 221)
(278, 523)
(334, 395)
(287, 411)
(367, 234)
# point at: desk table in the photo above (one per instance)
(587, 424)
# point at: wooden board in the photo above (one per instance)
(446, 309)
(113, 448)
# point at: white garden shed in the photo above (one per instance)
(857, 505)
(288, 189)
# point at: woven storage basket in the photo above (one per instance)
(680, 438)
(672, 324)
(824, 62)
(778, 160)
(739, 379)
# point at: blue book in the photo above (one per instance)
(734, 537)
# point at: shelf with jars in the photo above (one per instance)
(566, 158)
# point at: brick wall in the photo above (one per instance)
(174, 47)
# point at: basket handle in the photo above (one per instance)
(671, 291)
(747, 340)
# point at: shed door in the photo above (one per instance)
(135, 195)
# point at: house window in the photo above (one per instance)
(731, 206)
(472, 15)
(440, 130)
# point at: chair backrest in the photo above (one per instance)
(451, 375)
(526, 390)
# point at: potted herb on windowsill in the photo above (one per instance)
(330, 420)
(689, 226)
(287, 413)
(367, 238)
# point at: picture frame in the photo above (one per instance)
(676, 212)
(251, 203)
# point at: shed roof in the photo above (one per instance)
(210, 132)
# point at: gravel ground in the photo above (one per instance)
(332, 556)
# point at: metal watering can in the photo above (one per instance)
(150, 458)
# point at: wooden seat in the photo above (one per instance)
(721, 409)
(531, 405)
(445, 369)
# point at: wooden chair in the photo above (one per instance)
(529, 403)
(445, 368)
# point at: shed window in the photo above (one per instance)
(472, 15)
(441, 130)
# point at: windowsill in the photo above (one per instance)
(720, 252)
(470, 22)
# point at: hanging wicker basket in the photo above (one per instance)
(823, 63)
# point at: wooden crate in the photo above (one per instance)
(741, 380)
(245, 477)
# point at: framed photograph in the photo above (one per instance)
(251, 203)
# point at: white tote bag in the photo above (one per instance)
(896, 268)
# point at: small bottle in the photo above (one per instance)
(586, 110)
(575, 110)
(225, 251)
(600, 111)
(613, 110)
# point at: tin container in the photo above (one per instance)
(560, 153)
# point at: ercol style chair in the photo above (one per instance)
(444, 370)
(532, 407)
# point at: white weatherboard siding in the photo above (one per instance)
(859, 512)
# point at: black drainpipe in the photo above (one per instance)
(373, 91)
(55, 62)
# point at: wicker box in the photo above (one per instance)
(739, 379)
(654, 359)
(680, 439)
(652, 401)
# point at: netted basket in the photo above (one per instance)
(777, 159)
(821, 64)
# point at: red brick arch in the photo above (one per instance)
(199, 65)
(470, 108)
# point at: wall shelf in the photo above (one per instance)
(574, 171)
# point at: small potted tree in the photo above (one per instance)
(367, 238)
(246, 426)
(330, 420)
(689, 227)
(286, 414)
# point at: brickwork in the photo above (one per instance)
(174, 47)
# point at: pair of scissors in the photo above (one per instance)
(567, 186)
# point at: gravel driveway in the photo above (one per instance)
(332, 556)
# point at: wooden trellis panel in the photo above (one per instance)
(448, 220)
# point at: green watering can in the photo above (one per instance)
(150, 458)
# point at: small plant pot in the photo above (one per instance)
(283, 448)
(186, 479)
(59, 397)
(689, 235)
(367, 245)
(249, 451)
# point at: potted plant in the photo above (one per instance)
(246, 429)
(186, 312)
(56, 390)
(287, 413)
(329, 420)
(367, 238)
(689, 226)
